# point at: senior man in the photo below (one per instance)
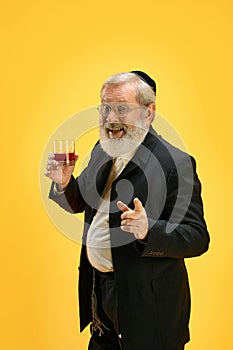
(143, 215)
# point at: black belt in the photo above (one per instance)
(105, 275)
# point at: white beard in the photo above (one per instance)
(130, 141)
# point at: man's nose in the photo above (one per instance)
(112, 117)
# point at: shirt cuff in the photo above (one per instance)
(56, 191)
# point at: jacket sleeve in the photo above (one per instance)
(181, 231)
(71, 199)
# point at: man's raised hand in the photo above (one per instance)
(60, 174)
(134, 221)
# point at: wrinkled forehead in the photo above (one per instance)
(119, 93)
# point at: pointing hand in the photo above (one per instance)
(134, 221)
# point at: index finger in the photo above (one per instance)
(122, 206)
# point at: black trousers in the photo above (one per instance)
(107, 313)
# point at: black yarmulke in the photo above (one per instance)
(145, 77)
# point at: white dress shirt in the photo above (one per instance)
(98, 236)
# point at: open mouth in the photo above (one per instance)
(115, 130)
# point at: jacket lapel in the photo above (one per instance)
(102, 175)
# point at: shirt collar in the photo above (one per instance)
(126, 157)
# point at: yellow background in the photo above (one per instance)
(54, 58)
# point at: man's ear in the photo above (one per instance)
(150, 113)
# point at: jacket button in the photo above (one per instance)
(158, 253)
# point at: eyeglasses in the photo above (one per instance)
(121, 109)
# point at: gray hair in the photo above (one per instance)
(144, 93)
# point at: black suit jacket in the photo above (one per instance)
(151, 279)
